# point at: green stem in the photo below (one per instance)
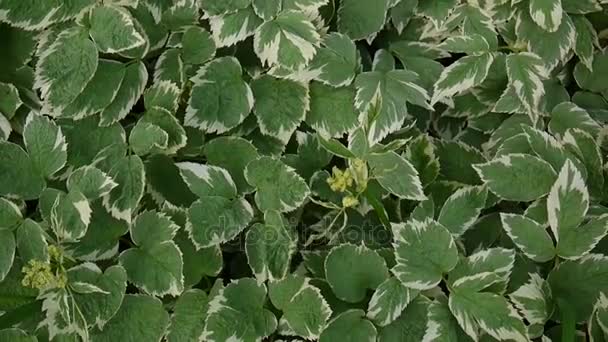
(568, 322)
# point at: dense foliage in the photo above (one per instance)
(288, 170)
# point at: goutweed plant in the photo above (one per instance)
(290, 170)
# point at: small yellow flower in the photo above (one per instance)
(38, 275)
(54, 252)
(349, 201)
(340, 180)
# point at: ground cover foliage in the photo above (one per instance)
(289, 170)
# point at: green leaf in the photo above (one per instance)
(164, 94)
(577, 242)
(238, 312)
(402, 13)
(469, 44)
(98, 307)
(551, 47)
(280, 105)
(396, 174)
(422, 153)
(235, 162)
(424, 251)
(20, 176)
(220, 98)
(568, 202)
(146, 137)
(197, 46)
(155, 269)
(546, 147)
(526, 72)
(266, 9)
(140, 318)
(101, 239)
(214, 7)
(305, 311)
(464, 74)
(581, 7)
(410, 326)
(350, 325)
(156, 264)
(131, 88)
(337, 61)
(332, 111)
(461, 209)
(231, 27)
(99, 92)
(64, 69)
(568, 115)
(31, 242)
(10, 100)
(269, 247)
(490, 312)
(129, 174)
(457, 159)
(517, 177)
(580, 296)
(91, 182)
(442, 325)
(534, 300)
(586, 39)
(436, 11)
(278, 186)
(16, 335)
(170, 67)
(214, 220)
(10, 215)
(362, 20)
(389, 301)
(188, 319)
(289, 40)
(7, 252)
(591, 79)
(205, 180)
(69, 214)
(546, 13)
(112, 29)
(529, 236)
(198, 263)
(45, 143)
(32, 15)
(584, 146)
(383, 94)
(488, 267)
(351, 284)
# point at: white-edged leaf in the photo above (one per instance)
(517, 177)
(269, 247)
(388, 301)
(278, 186)
(462, 208)
(220, 98)
(424, 252)
(112, 29)
(280, 105)
(462, 75)
(289, 40)
(529, 236)
(546, 13)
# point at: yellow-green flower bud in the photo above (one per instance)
(349, 201)
(340, 180)
(360, 174)
(54, 252)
